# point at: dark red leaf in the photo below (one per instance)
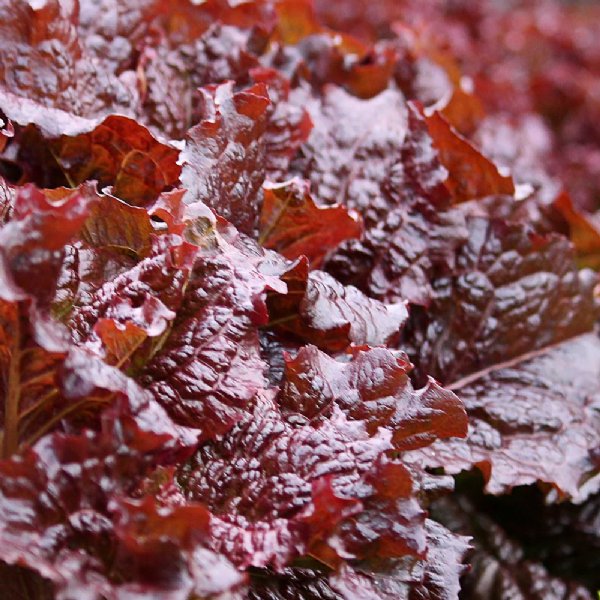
(563, 536)
(48, 383)
(409, 233)
(352, 146)
(512, 292)
(145, 295)
(32, 243)
(7, 199)
(436, 577)
(119, 266)
(510, 320)
(110, 30)
(289, 125)
(173, 71)
(45, 382)
(320, 310)
(208, 368)
(322, 55)
(224, 154)
(532, 419)
(267, 494)
(23, 584)
(166, 432)
(64, 515)
(370, 24)
(373, 388)
(47, 77)
(291, 584)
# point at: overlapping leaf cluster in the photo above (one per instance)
(265, 287)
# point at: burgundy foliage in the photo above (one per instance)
(299, 303)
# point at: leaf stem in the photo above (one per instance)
(57, 418)
(276, 322)
(63, 170)
(10, 440)
(38, 404)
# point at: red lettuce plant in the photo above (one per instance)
(293, 303)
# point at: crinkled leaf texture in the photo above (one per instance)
(373, 388)
(435, 577)
(285, 484)
(48, 78)
(503, 333)
(410, 233)
(32, 346)
(208, 367)
(512, 292)
(320, 310)
(223, 159)
(89, 539)
(563, 536)
(322, 276)
(241, 138)
(533, 419)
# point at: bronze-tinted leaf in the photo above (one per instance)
(122, 153)
(470, 174)
(31, 352)
(295, 226)
(438, 576)
(166, 430)
(584, 232)
(115, 224)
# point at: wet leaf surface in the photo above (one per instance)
(297, 301)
